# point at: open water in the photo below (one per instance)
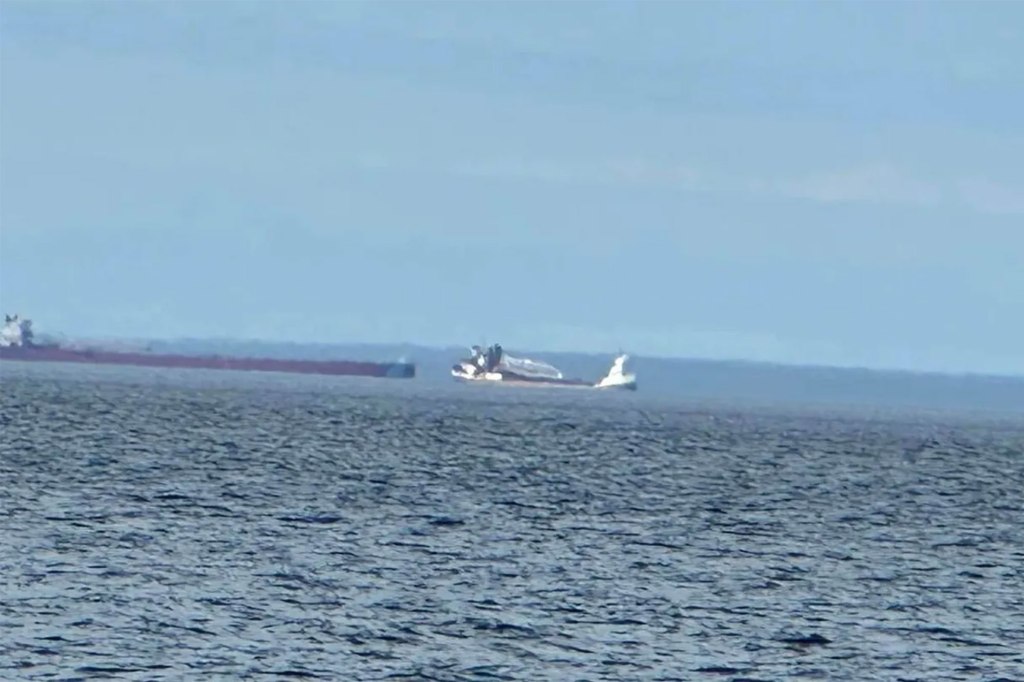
(187, 525)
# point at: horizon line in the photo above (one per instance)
(1010, 374)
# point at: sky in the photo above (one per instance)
(819, 183)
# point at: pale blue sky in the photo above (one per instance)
(838, 183)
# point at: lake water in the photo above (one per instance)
(163, 524)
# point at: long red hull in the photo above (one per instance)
(397, 370)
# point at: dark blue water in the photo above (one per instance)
(199, 525)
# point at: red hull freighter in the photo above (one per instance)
(16, 343)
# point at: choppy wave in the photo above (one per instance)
(167, 528)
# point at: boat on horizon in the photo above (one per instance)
(494, 365)
(18, 342)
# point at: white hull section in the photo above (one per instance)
(499, 380)
(472, 371)
(626, 382)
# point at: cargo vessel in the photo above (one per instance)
(494, 365)
(17, 342)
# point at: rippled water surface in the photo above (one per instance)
(177, 525)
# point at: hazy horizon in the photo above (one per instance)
(380, 350)
(831, 185)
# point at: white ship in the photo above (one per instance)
(495, 365)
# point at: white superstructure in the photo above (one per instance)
(495, 365)
(15, 332)
(617, 377)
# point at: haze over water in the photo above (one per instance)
(181, 524)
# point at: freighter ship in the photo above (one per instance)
(496, 366)
(17, 342)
